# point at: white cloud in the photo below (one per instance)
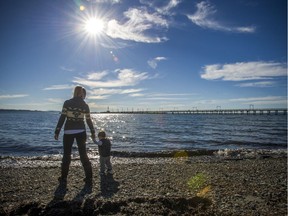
(104, 93)
(165, 98)
(138, 22)
(244, 29)
(154, 62)
(98, 97)
(171, 94)
(162, 7)
(105, 1)
(265, 101)
(203, 17)
(268, 100)
(125, 77)
(13, 96)
(97, 75)
(172, 4)
(55, 100)
(67, 69)
(160, 58)
(129, 91)
(244, 71)
(258, 84)
(59, 87)
(136, 95)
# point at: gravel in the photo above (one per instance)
(150, 186)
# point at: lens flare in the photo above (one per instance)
(181, 156)
(204, 191)
(197, 182)
(114, 57)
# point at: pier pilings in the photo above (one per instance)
(275, 111)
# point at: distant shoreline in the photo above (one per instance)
(23, 110)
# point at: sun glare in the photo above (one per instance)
(94, 26)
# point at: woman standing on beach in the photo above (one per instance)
(74, 111)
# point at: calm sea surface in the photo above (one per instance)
(25, 133)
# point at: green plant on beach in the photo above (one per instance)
(197, 182)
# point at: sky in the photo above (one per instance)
(144, 54)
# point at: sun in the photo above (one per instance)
(94, 26)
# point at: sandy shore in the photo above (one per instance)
(149, 187)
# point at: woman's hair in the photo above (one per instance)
(79, 92)
(84, 92)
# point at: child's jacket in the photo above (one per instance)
(104, 148)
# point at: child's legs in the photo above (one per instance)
(108, 163)
(102, 164)
(105, 162)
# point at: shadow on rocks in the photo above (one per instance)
(60, 192)
(72, 207)
(152, 206)
(108, 186)
(87, 189)
(126, 206)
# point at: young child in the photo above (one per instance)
(104, 147)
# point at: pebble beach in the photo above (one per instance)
(150, 186)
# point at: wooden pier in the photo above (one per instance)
(274, 111)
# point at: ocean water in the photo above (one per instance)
(31, 133)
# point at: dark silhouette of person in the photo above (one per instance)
(74, 111)
(104, 148)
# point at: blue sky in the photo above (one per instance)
(144, 54)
